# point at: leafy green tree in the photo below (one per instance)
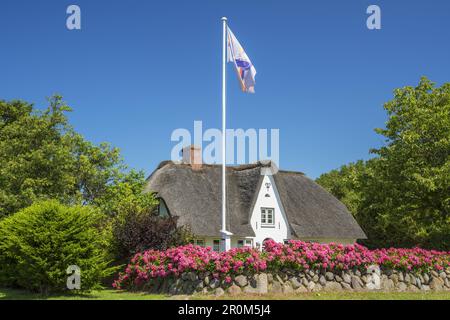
(42, 157)
(345, 184)
(402, 196)
(39, 243)
(414, 168)
(126, 194)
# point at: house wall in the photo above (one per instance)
(342, 241)
(280, 231)
(209, 241)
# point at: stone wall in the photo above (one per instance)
(312, 281)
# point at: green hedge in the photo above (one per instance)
(39, 243)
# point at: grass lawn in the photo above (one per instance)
(108, 294)
(343, 296)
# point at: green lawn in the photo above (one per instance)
(344, 296)
(108, 294)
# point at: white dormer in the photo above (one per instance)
(268, 218)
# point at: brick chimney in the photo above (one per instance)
(193, 155)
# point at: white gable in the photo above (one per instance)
(268, 200)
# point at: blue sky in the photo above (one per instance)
(140, 69)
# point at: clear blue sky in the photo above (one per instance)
(140, 69)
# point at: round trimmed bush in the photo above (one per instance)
(39, 243)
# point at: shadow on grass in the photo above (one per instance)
(17, 294)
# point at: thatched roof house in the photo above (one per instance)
(286, 205)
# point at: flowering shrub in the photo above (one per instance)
(298, 255)
(294, 256)
(303, 256)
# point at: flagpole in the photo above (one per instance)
(226, 241)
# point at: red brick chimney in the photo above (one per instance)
(193, 155)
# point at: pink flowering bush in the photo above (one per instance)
(294, 256)
(175, 261)
(412, 259)
(303, 256)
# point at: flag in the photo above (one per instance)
(245, 70)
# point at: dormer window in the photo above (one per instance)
(163, 211)
(267, 218)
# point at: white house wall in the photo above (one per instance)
(325, 241)
(280, 231)
(209, 241)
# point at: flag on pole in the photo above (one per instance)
(245, 70)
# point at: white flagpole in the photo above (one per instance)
(226, 243)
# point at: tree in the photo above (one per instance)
(345, 184)
(403, 194)
(42, 157)
(414, 167)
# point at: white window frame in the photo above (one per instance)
(265, 218)
(243, 243)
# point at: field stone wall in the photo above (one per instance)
(300, 282)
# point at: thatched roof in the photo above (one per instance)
(195, 197)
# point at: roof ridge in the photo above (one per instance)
(240, 167)
(292, 172)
